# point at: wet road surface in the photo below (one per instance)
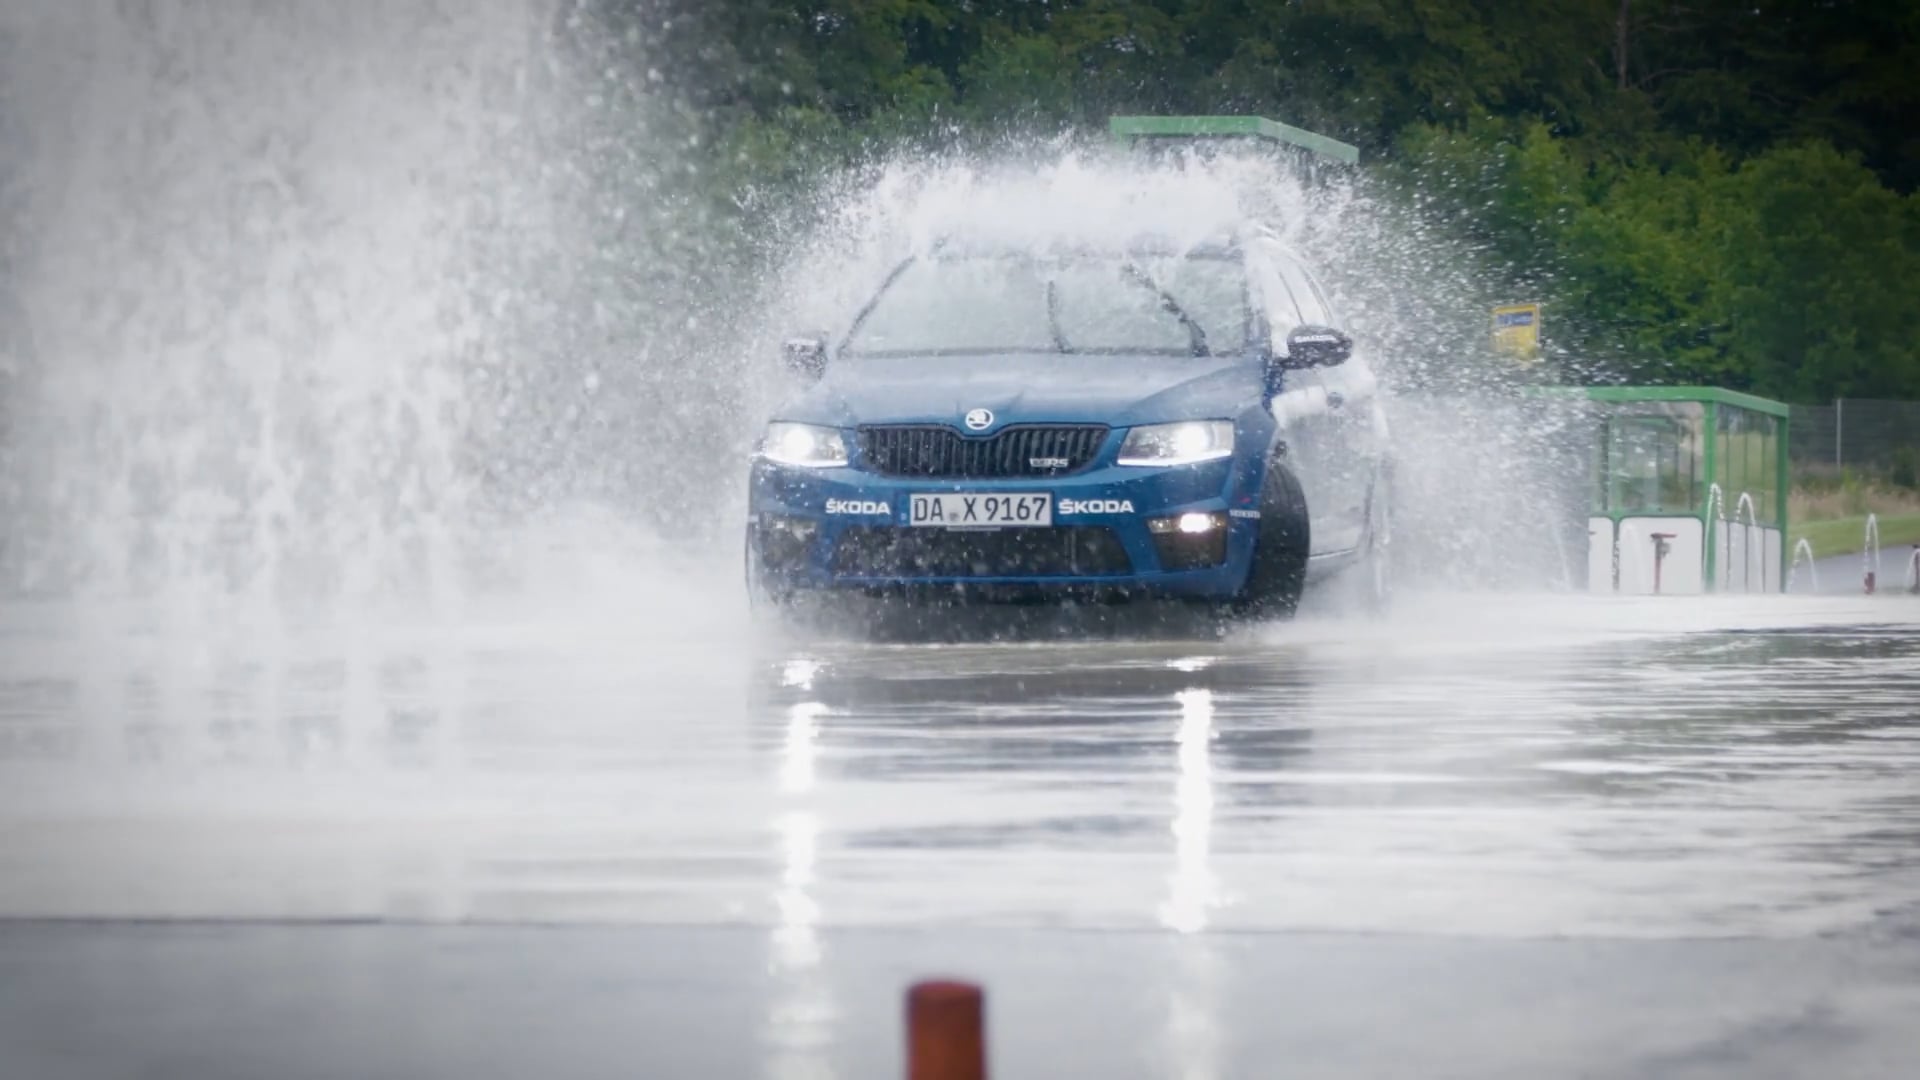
(1893, 572)
(1493, 835)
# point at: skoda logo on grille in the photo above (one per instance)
(979, 419)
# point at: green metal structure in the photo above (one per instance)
(1667, 453)
(1134, 130)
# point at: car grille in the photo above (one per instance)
(933, 450)
(1061, 551)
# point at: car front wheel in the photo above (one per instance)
(761, 594)
(1279, 572)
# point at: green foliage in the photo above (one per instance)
(1022, 79)
(1905, 468)
(1817, 274)
(1791, 274)
(1847, 536)
(1717, 191)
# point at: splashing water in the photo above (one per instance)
(320, 323)
(310, 308)
(1628, 556)
(1749, 540)
(249, 301)
(1719, 537)
(1870, 553)
(1803, 548)
(323, 324)
(1490, 481)
(327, 305)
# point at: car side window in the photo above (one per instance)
(1277, 300)
(1313, 307)
(1333, 317)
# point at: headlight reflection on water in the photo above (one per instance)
(1193, 890)
(801, 1014)
(796, 758)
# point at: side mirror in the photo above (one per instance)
(805, 355)
(1316, 346)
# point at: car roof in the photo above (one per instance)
(989, 243)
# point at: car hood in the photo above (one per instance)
(1121, 391)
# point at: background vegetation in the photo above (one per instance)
(1701, 190)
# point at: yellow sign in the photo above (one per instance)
(1516, 330)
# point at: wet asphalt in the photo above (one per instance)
(1491, 835)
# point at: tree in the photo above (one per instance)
(1707, 190)
(1817, 270)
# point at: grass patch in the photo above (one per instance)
(1845, 536)
(1823, 494)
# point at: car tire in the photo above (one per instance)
(760, 595)
(1279, 572)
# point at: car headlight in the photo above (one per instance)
(1177, 444)
(806, 445)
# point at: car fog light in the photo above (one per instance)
(1191, 541)
(784, 540)
(801, 529)
(1191, 524)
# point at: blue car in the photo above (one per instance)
(1009, 423)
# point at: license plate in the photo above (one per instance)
(960, 510)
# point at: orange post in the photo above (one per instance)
(946, 1031)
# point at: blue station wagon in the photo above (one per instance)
(1066, 421)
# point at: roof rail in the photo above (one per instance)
(1132, 129)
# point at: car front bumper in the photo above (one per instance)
(1114, 532)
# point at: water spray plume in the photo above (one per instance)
(1474, 457)
(338, 322)
(252, 302)
(1804, 549)
(1870, 554)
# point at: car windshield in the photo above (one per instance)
(1175, 305)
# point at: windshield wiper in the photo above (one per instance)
(1196, 336)
(1053, 318)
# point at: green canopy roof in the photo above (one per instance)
(1133, 128)
(1629, 394)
